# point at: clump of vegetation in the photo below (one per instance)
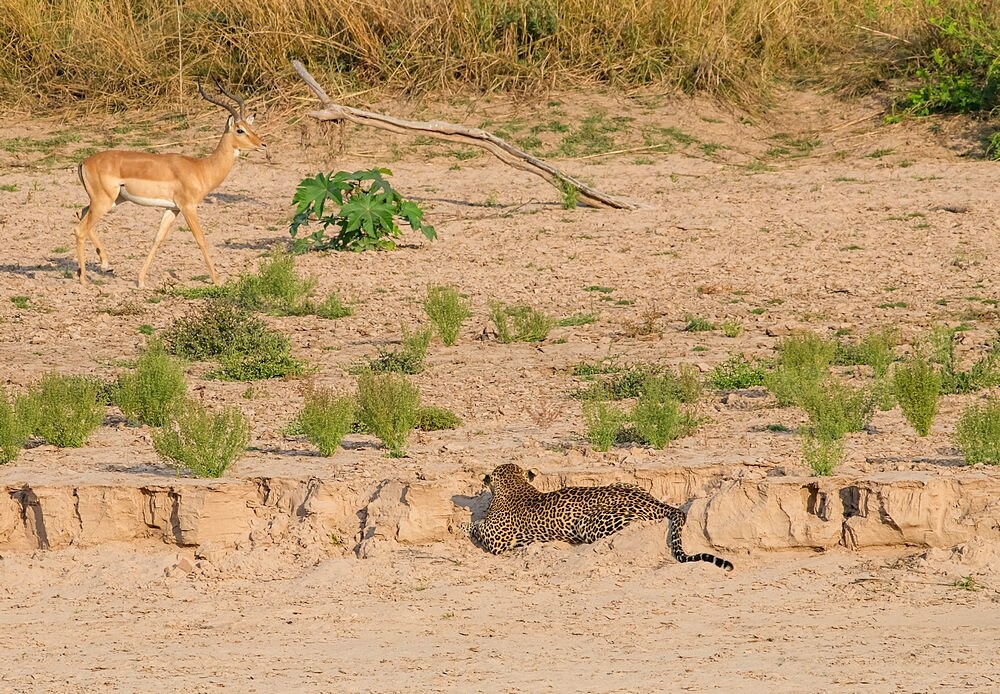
(876, 349)
(697, 324)
(822, 453)
(939, 347)
(14, 431)
(408, 360)
(367, 208)
(432, 418)
(326, 418)
(836, 409)
(604, 423)
(203, 442)
(153, 389)
(242, 343)
(447, 310)
(917, 385)
(977, 433)
(63, 410)
(520, 323)
(387, 407)
(738, 372)
(632, 381)
(657, 418)
(276, 289)
(803, 361)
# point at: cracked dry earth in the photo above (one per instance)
(867, 227)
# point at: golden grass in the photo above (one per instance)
(126, 53)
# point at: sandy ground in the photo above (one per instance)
(870, 226)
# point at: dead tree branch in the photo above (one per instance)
(451, 132)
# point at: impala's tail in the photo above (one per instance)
(674, 524)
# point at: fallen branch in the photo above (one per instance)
(451, 132)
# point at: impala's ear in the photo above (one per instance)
(249, 119)
(229, 123)
(532, 474)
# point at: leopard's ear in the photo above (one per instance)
(486, 479)
(532, 474)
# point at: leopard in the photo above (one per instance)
(520, 514)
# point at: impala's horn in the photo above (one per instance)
(234, 97)
(219, 102)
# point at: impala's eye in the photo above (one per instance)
(240, 131)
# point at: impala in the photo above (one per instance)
(174, 182)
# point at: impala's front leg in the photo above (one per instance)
(191, 217)
(161, 235)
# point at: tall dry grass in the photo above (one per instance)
(125, 53)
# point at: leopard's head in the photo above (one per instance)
(510, 481)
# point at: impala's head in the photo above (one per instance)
(244, 138)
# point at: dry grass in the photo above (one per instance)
(125, 53)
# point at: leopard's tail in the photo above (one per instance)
(674, 524)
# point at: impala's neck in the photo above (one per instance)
(219, 163)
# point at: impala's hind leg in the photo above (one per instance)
(89, 217)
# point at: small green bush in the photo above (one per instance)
(803, 361)
(737, 372)
(387, 407)
(977, 433)
(447, 310)
(433, 418)
(634, 380)
(203, 442)
(63, 410)
(657, 418)
(333, 307)
(821, 453)
(877, 350)
(917, 385)
(276, 288)
(326, 418)
(242, 343)
(14, 432)
(408, 360)
(156, 385)
(520, 323)
(697, 324)
(835, 408)
(604, 423)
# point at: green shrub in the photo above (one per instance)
(821, 453)
(803, 361)
(917, 385)
(835, 408)
(432, 418)
(242, 343)
(519, 323)
(333, 307)
(737, 372)
(14, 432)
(387, 408)
(205, 443)
(604, 423)
(408, 360)
(657, 417)
(366, 214)
(326, 418)
(447, 310)
(276, 288)
(697, 324)
(877, 350)
(636, 379)
(977, 433)
(63, 410)
(156, 385)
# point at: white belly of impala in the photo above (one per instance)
(123, 194)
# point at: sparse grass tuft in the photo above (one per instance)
(604, 422)
(520, 323)
(447, 310)
(203, 442)
(877, 350)
(407, 360)
(387, 407)
(697, 324)
(821, 453)
(156, 386)
(325, 418)
(977, 433)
